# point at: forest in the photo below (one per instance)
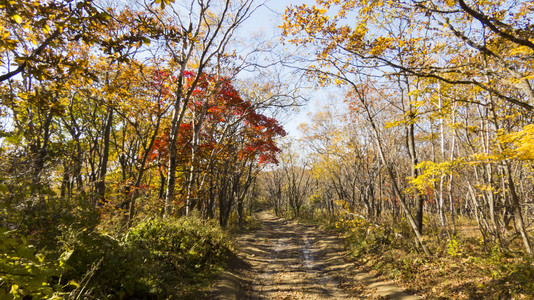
(142, 141)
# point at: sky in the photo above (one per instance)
(265, 21)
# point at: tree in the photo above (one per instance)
(32, 31)
(195, 40)
(224, 139)
(471, 57)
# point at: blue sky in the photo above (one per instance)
(265, 21)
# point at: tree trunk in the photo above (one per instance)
(389, 169)
(135, 193)
(189, 202)
(516, 206)
(177, 117)
(419, 200)
(100, 185)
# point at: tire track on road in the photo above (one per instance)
(287, 260)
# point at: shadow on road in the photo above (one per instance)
(287, 260)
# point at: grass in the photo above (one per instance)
(156, 259)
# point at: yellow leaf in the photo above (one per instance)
(17, 19)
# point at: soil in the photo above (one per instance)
(287, 260)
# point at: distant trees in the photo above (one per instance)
(287, 187)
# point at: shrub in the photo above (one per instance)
(26, 273)
(188, 246)
(156, 259)
(103, 267)
(453, 246)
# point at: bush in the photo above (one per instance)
(44, 222)
(363, 237)
(104, 267)
(155, 259)
(453, 246)
(189, 246)
(26, 273)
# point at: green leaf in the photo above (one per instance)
(13, 139)
(14, 290)
(104, 16)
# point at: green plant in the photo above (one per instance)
(453, 246)
(27, 273)
(188, 244)
(496, 253)
(104, 267)
(522, 273)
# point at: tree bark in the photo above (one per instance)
(135, 192)
(100, 185)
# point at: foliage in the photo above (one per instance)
(422, 108)
(102, 106)
(363, 238)
(463, 271)
(519, 144)
(155, 259)
(431, 173)
(189, 245)
(27, 273)
(44, 222)
(104, 267)
(453, 246)
(217, 103)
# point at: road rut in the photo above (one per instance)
(287, 260)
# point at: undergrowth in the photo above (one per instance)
(459, 268)
(157, 259)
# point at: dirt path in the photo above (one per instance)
(286, 260)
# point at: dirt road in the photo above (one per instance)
(287, 260)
